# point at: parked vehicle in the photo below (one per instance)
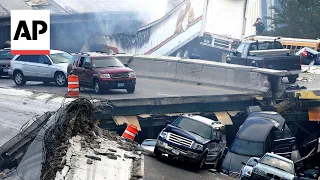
(272, 166)
(5, 58)
(148, 145)
(309, 55)
(102, 71)
(266, 54)
(193, 138)
(46, 68)
(247, 168)
(261, 132)
(293, 44)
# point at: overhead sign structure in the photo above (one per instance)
(30, 32)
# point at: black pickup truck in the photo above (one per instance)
(266, 54)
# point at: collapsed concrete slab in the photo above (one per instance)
(71, 145)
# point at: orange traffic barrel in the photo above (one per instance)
(73, 86)
(130, 132)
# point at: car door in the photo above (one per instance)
(44, 69)
(214, 147)
(237, 57)
(30, 66)
(87, 76)
(79, 70)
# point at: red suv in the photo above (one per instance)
(101, 72)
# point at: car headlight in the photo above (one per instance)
(197, 146)
(163, 135)
(132, 74)
(105, 76)
(258, 171)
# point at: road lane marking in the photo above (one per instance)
(165, 94)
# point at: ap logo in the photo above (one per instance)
(30, 32)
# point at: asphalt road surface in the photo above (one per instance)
(145, 88)
(163, 169)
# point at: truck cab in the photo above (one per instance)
(196, 139)
(266, 54)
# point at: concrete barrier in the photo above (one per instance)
(201, 71)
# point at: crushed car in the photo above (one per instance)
(195, 139)
(260, 133)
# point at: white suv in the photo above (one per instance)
(46, 68)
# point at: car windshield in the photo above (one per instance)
(251, 162)
(194, 126)
(149, 143)
(277, 163)
(4, 55)
(106, 62)
(247, 148)
(61, 57)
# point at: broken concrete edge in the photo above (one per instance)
(177, 100)
(28, 134)
(137, 172)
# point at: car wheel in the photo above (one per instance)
(131, 90)
(19, 78)
(217, 163)
(200, 164)
(60, 79)
(156, 152)
(96, 87)
(292, 79)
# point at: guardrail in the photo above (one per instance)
(204, 72)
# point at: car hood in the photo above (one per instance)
(4, 61)
(186, 134)
(62, 65)
(274, 171)
(111, 70)
(232, 162)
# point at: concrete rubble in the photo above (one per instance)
(75, 147)
(72, 146)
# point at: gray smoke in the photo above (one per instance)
(72, 36)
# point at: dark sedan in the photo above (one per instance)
(5, 58)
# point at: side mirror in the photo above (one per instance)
(168, 122)
(255, 160)
(126, 65)
(243, 163)
(87, 65)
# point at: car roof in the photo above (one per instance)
(257, 126)
(272, 116)
(279, 157)
(52, 51)
(207, 121)
(95, 54)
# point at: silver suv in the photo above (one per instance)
(46, 68)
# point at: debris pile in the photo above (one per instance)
(74, 144)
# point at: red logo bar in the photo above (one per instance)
(30, 52)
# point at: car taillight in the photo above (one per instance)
(305, 53)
